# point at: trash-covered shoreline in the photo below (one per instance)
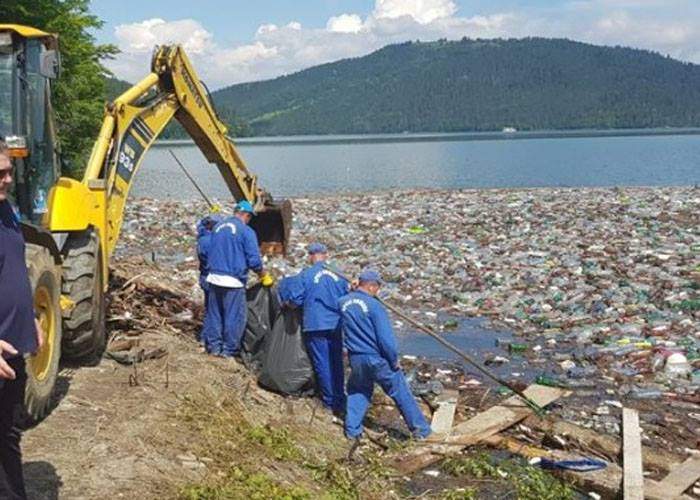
(600, 287)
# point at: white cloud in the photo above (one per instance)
(141, 37)
(422, 11)
(345, 23)
(669, 26)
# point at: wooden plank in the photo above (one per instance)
(445, 414)
(681, 477)
(609, 446)
(633, 477)
(605, 482)
(503, 415)
(481, 426)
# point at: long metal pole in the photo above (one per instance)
(194, 183)
(455, 349)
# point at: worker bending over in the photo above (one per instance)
(204, 230)
(233, 252)
(371, 347)
(321, 326)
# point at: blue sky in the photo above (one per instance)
(234, 41)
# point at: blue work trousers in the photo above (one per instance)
(206, 307)
(325, 348)
(224, 322)
(368, 369)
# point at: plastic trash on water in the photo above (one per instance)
(677, 366)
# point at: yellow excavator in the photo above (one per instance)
(72, 226)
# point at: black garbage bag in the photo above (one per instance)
(273, 346)
(263, 307)
(286, 367)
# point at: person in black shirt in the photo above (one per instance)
(20, 334)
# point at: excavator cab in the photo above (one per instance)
(29, 62)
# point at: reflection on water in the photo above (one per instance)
(477, 339)
(301, 169)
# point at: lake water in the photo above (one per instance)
(304, 166)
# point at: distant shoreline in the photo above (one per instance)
(298, 140)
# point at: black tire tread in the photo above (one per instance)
(80, 270)
(38, 396)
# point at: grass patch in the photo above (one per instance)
(459, 494)
(271, 461)
(240, 484)
(337, 478)
(351, 482)
(528, 482)
(279, 443)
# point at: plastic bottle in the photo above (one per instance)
(637, 393)
(516, 347)
(677, 366)
(549, 381)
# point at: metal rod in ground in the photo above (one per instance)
(194, 183)
(537, 408)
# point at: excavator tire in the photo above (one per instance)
(42, 367)
(84, 330)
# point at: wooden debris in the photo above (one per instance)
(681, 477)
(633, 479)
(607, 446)
(483, 425)
(502, 416)
(605, 482)
(445, 414)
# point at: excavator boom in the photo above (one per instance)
(132, 124)
(72, 226)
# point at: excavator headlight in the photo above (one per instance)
(5, 39)
(17, 146)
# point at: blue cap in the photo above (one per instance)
(245, 206)
(317, 247)
(370, 275)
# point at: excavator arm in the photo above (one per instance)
(131, 125)
(72, 233)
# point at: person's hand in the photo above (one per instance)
(39, 336)
(6, 371)
(267, 280)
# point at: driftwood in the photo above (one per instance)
(606, 482)
(476, 429)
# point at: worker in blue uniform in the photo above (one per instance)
(233, 251)
(321, 289)
(371, 347)
(204, 229)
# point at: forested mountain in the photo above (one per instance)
(114, 87)
(473, 85)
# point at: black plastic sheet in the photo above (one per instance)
(273, 344)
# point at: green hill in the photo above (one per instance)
(114, 87)
(474, 85)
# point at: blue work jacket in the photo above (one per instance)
(203, 244)
(233, 250)
(367, 327)
(291, 290)
(16, 299)
(321, 290)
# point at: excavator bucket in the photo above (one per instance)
(273, 225)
